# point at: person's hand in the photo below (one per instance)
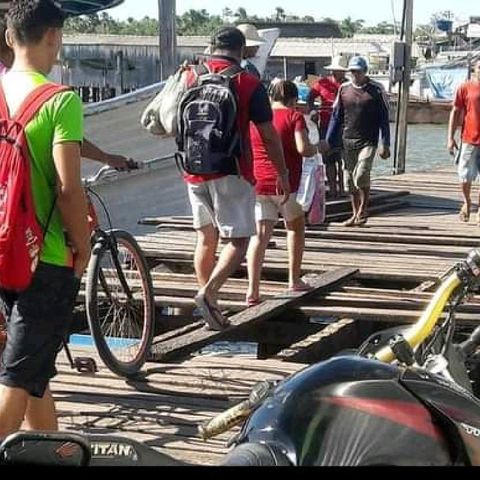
(121, 163)
(452, 146)
(283, 187)
(385, 153)
(80, 262)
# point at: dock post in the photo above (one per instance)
(167, 37)
(404, 93)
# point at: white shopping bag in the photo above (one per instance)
(307, 189)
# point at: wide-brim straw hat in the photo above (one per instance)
(339, 64)
(251, 34)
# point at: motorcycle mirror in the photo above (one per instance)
(45, 449)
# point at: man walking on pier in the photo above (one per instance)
(361, 111)
(38, 317)
(224, 204)
(466, 112)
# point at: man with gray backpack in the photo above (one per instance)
(213, 140)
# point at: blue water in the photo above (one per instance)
(113, 343)
(426, 150)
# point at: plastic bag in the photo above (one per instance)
(318, 210)
(160, 116)
(306, 191)
(312, 192)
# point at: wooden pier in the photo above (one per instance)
(383, 274)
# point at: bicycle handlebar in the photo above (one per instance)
(132, 165)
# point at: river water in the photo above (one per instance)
(426, 150)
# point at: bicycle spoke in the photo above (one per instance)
(121, 311)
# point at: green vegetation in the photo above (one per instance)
(201, 22)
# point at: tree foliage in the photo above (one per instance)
(201, 22)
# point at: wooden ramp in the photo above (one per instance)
(175, 346)
(400, 256)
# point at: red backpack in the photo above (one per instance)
(21, 235)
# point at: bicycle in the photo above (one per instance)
(119, 294)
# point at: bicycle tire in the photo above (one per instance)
(97, 282)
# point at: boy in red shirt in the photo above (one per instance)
(466, 112)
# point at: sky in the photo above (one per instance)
(372, 11)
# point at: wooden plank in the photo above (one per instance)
(379, 315)
(192, 342)
(333, 207)
(320, 346)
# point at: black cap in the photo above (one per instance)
(228, 38)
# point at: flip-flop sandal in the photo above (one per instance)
(362, 221)
(349, 223)
(253, 302)
(211, 315)
(301, 289)
(464, 214)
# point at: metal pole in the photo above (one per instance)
(404, 94)
(167, 33)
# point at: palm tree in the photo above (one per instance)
(227, 14)
(350, 27)
(241, 15)
(280, 15)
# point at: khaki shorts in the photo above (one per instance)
(469, 163)
(228, 203)
(269, 207)
(357, 165)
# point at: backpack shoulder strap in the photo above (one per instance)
(232, 71)
(32, 104)
(200, 70)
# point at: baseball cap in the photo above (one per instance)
(358, 63)
(228, 38)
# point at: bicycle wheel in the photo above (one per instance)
(120, 303)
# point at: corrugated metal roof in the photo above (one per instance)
(317, 48)
(284, 47)
(131, 40)
(473, 30)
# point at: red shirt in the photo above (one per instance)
(286, 121)
(327, 90)
(468, 100)
(246, 86)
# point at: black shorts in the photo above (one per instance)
(38, 321)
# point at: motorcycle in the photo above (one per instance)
(406, 397)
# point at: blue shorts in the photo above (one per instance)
(38, 321)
